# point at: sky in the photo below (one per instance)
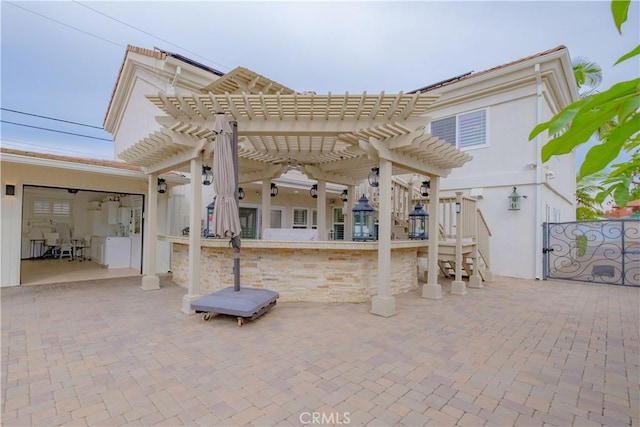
(60, 59)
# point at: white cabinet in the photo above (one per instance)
(124, 216)
(110, 212)
(117, 252)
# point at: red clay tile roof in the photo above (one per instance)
(83, 160)
(480, 73)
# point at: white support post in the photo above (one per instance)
(266, 206)
(432, 289)
(384, 304)
(458, 287)
(150, 280)
(475, 281)
(322, 211)
(195, 219)
(348, 214)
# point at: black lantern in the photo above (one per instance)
(162, 186)
(314, 191)
(240, 193)
(418, 223)
(210, 208)
(424, 188)
(374, 177)
(363, 221)
(514, 200)
(207, 175)
(274, 190)
(344, 196)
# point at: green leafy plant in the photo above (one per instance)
(612, 116)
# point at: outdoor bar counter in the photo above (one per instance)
(318, 271)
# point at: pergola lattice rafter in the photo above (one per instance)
(339, 136)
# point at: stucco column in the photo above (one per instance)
(432, 289)
(348, 214)
(322, 211)
(384, 304)
(266, 206)
(458, 287)
(150, 281)
(195, 218)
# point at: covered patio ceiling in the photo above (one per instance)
(336, 138)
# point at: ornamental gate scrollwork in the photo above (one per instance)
(603, 251)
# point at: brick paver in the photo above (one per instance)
(515, 352)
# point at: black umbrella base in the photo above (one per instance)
(247, 303)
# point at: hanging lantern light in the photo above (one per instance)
(344, 196)
(274, 189)
(363, 221)
(210, 208)
(240, 193)
(207, 175)
(514, 200)
(374, 177)
(314, 191)
(162, 185)
(424, 188)
(418, 223)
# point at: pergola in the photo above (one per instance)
(330, 138)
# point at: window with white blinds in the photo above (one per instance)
(464, 130)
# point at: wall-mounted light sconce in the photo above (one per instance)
(344, 196)
(514, 200)
(313, 191)
(162, 186)
(240, 193)
(10, 190)
(424, 188)
(207, 175)
(458, 207)
(274, 189)
(374, 177)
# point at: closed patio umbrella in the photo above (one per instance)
(226, 218)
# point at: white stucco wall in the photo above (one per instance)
(511, 160)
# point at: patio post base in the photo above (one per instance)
(383, 306)
(432, 291)
(458, 287)
(150, 283)
(475, 282)
(186, 303)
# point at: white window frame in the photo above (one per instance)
(311, 218)
(457, 128)
(55, 208)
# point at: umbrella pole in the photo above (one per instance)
(235, 241)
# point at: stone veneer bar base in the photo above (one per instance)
(314, 271)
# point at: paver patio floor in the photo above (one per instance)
(516, 352)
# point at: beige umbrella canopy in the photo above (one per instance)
(226, 218)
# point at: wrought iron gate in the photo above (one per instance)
(603, 251)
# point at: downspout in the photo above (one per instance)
(538, 194)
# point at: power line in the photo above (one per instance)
(55, 130)
(66, 25)
(51, 118)
(147, 33)
(20, 145)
